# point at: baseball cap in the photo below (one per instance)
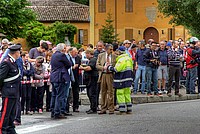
(193, 39)
(169, 44)
(121, 48)
(126, 42)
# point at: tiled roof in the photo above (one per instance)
(59, 10)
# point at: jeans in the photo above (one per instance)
(140, 70)
(66, 94)
(58, 94)
(151, 74)
(198, 73)
(191, 78)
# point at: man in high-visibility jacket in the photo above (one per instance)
(123, 79)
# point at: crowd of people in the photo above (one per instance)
(110, 70)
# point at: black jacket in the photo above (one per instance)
(8, 69)
(148, 56)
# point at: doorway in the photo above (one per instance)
(151, 33)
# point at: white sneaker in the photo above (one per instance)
(165, 92)
(84, 91)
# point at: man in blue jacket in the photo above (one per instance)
(59, 76)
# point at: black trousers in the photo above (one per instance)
(92, 93)
(18, 105)
(48, 96)
(8, 112)
(174, 71)
(26, 97)
(37, 98)
(75, 92)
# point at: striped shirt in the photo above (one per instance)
(174, 57)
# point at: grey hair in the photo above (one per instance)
(108, 45)
(60, 46)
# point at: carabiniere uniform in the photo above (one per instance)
(9, 84)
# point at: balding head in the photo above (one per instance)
(100, 45)
(73, 51)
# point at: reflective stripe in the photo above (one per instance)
(12, 78)
(122, 107)
(123, 80)
(3, 114)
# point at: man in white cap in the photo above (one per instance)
(127, 45)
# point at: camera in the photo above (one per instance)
(156, 61)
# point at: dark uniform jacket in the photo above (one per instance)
(8, 69)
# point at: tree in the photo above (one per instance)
(108, 32)
(182, 12)
(85, 2)
(56, 33)
(33, 33)
(14, 15)
(60, 30)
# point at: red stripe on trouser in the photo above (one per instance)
(3, 113)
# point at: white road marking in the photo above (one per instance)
(39, 127)
(36, 128)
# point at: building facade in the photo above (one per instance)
(133, 19)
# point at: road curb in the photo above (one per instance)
(146, 99)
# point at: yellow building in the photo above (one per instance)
(133, 19)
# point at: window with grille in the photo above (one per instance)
(129, 5)
(102, 6)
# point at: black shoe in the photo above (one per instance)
(88, 110)
(91, 112)
(60, 117)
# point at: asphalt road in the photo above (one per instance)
(156, 118)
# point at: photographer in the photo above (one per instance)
(191, 64)
(91, 77)
(152, 60)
